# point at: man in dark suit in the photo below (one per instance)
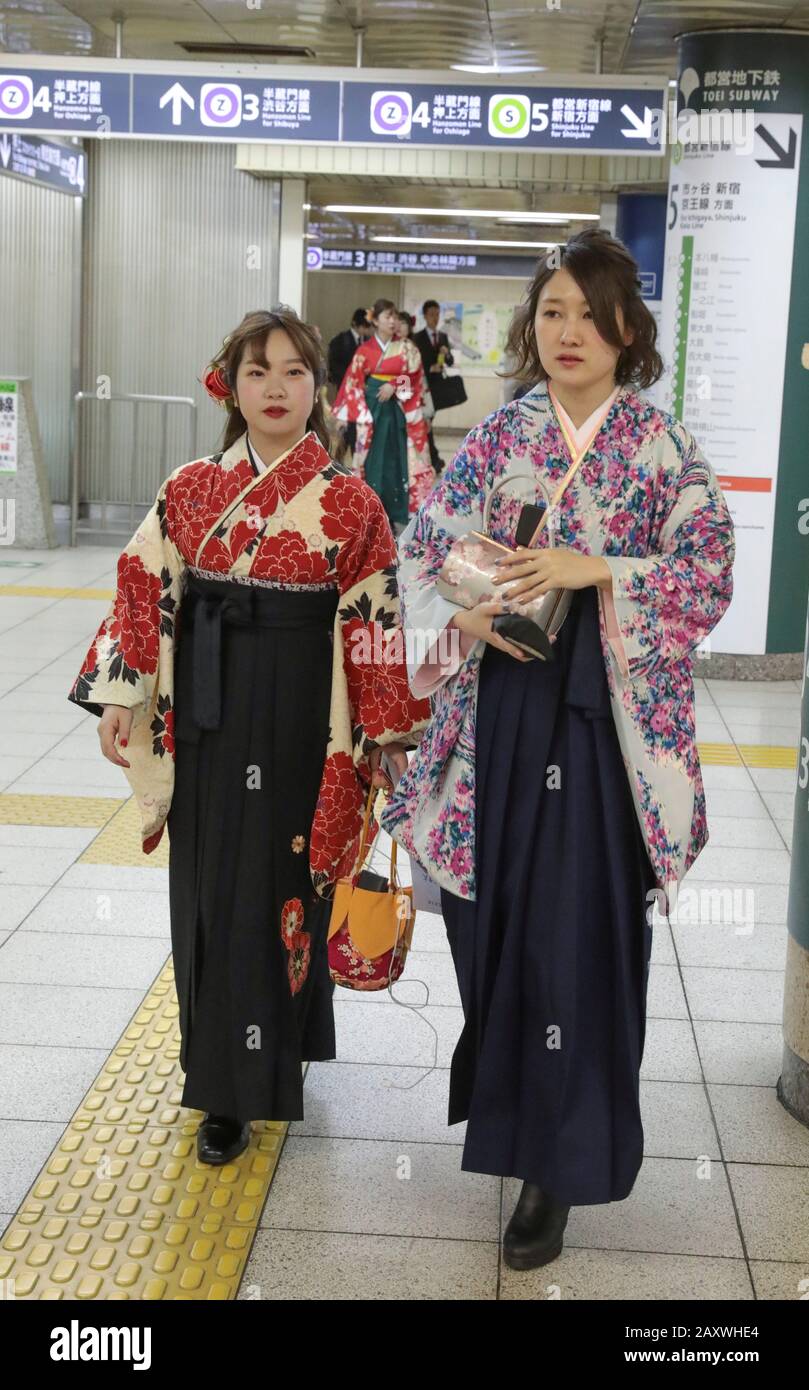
(341, 350)
(430, 343)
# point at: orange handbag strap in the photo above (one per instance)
(372, 791)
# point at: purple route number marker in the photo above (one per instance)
(390, 119)
(11, 105)
(217, 115)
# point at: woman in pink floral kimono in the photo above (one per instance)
(552, 800)
(225, 678)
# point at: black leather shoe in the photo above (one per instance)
(220, 1139)
(533, 1236)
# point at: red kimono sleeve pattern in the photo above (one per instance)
(372, 705)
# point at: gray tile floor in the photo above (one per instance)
(369, 1199)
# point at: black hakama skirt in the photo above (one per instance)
(252, 692)
(553, 958)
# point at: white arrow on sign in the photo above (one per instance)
(5, 150)
(640, 129)
(177, 94)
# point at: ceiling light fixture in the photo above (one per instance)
(467, 241)
(493, 67)
(459, 213)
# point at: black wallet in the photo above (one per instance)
(374, 883)
(515, 627)
(525, 634)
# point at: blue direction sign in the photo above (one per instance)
(587, 119)
(417, 262)
(76, 102)
(236, 108)
(30, 157)
(592, 118)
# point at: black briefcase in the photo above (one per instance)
(446, 391)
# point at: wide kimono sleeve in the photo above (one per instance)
(130, 661)
(664, 604)
(369, 633)
(435, 650)
(349, 403)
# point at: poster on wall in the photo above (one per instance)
(477, 332)
(485, 329)
(723, 380)
(8, 427)
(451, 323)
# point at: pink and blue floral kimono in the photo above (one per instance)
(552, 800)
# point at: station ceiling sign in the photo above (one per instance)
(37, 160)
(98, 98)
(417, 262)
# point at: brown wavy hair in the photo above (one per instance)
(608, 277)
(252, 334)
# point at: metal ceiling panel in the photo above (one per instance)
(625, 36)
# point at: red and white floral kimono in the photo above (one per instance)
(233, 637)
(398, 361)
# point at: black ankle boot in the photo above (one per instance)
(221, 1138)
(533, 1236)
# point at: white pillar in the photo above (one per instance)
(609, 212)
(292, 246)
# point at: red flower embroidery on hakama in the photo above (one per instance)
(298, 960)
(291, 919)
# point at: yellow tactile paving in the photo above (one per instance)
(122, 1209)
(120, 842)
(768, 755)
(42, 591)
(747, 754)
(57, 810)
(719, 753)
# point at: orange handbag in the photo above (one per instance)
(371, 928)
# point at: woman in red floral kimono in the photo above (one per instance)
(383, 392)
(227, 681)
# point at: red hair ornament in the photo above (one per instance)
(217, 387)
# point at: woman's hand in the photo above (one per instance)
(396, 756)
(386, 390)
(115, 722)
(478, 623)
(531, 573)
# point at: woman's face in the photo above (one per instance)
(570, 347)
(386, 323)
(276, 395)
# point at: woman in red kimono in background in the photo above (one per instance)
(383, 392)
(226, 671)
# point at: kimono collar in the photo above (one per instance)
(540, 403)
(238, 452)
(308, 451)
(579, 437)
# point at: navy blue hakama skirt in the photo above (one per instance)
(553, 958)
